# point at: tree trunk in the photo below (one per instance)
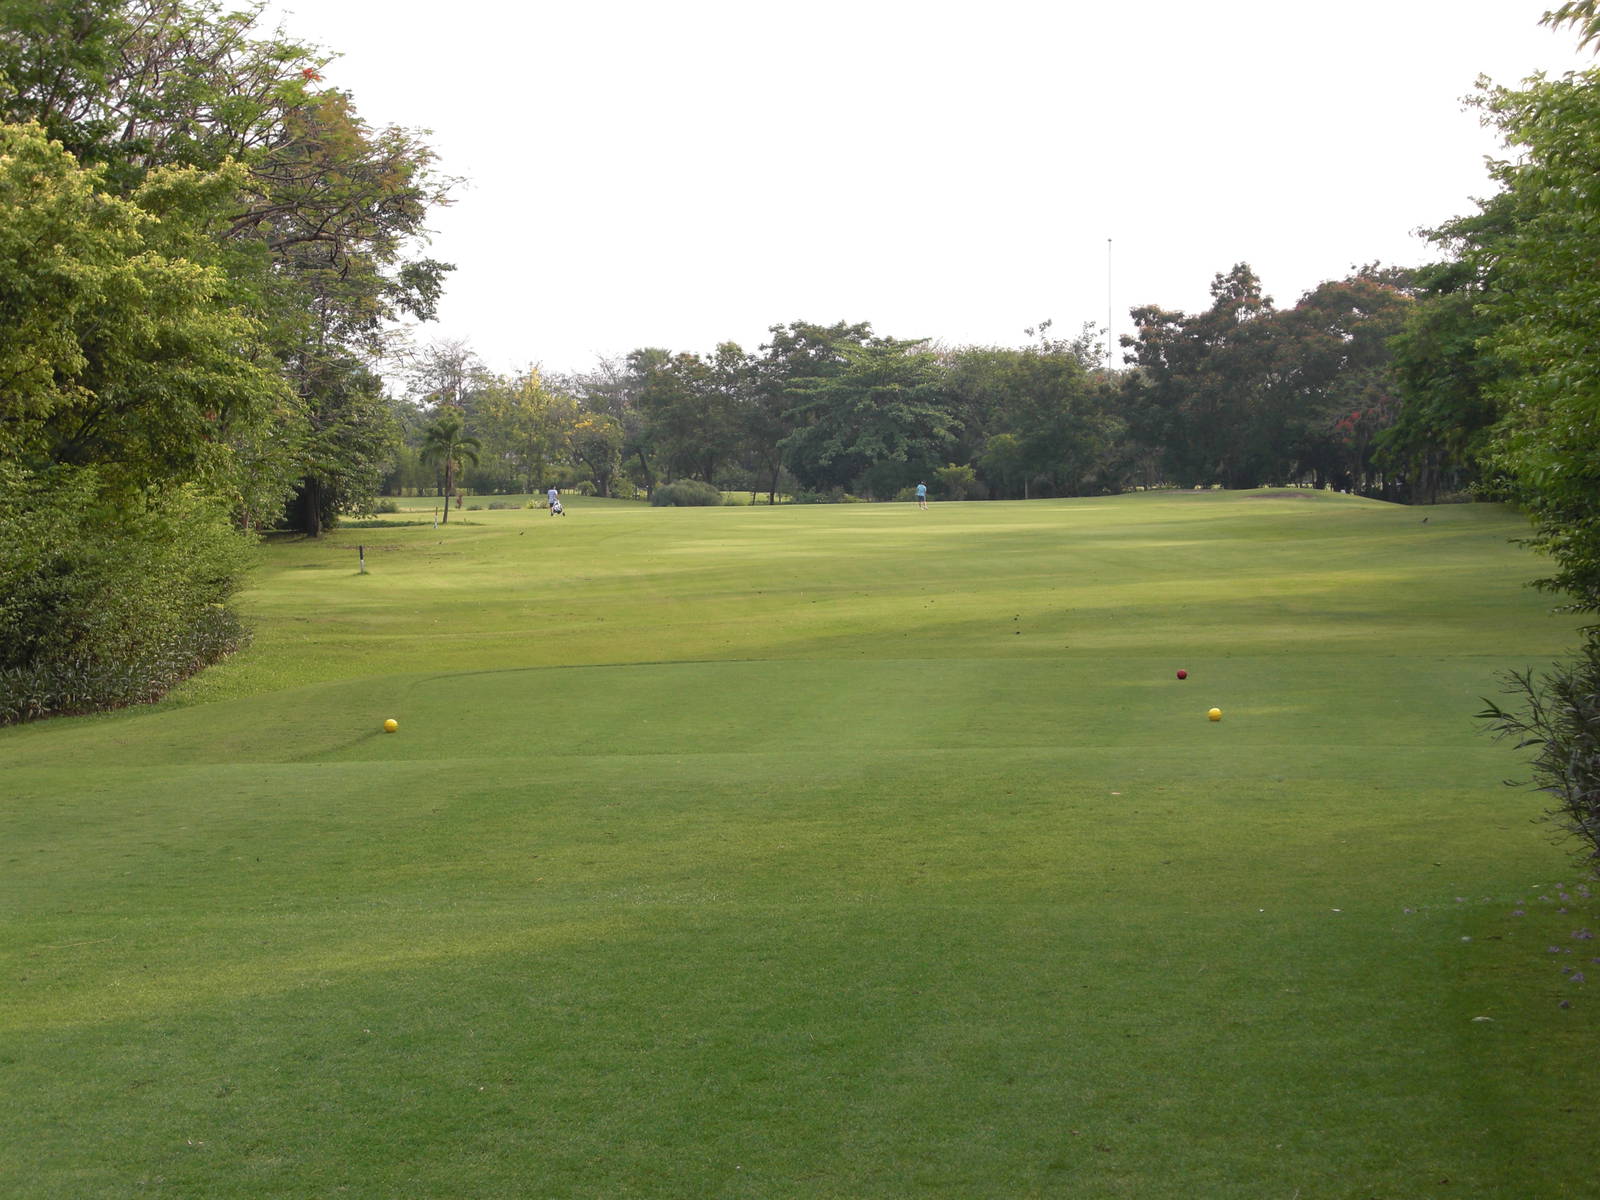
(313, 508)
(1430, 480)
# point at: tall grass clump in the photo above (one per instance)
(686, 493)
(108, 601)
(1558, 719)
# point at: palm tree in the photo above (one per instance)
(443, 443)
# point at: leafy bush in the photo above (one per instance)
(832, 496)
(81, 683)
(685, 493)
(386, 505)
(958, 483)
(104, 602)
(1560, 721)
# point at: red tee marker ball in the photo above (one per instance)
(1183, 674)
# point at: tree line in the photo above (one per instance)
(1241, 394)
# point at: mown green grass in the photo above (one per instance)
(816, 852)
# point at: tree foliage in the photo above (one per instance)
(447, 446)
(1044, 414)
(1205, 378)
(113, 353)
(1444, 375)
(1246, 394)
(1544, 310)
(597, 443)
(878, 418)
(351, 438)
(132, 85)
(1535, 246)
(1584, 15)
(690, 407)
(200, 250)
(315, 228)
(529, 425)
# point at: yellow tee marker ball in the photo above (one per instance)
(391, 725)
(1215, 714)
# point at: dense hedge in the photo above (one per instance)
(685, 493)
(107, 602)
(84, 683)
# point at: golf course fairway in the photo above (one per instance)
(816, 851)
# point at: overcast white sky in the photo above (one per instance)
(680, 173)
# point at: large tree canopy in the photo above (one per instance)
(317, 229)
(114, 353)
(1245, 393)
(1041, 419)
(1444, 373)
(880, 411)
(1545, 310)
(1205, 379)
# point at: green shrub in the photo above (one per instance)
(685, 493)
(84, 683)
(107, 602)
(958, 483)
(386, 505)
(832, 496)
(1559, 720)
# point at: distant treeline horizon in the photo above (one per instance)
(1239, 395)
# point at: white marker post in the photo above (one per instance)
(361, 553)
